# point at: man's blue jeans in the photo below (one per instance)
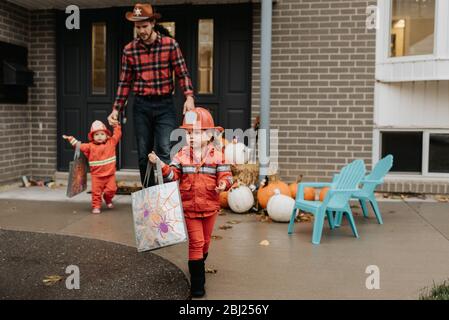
(154, 120)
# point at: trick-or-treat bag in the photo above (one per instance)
(77, 182)
(158, 214)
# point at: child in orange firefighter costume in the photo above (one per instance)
(100, 152)
(203, 175)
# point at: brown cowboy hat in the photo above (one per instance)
(142, 12)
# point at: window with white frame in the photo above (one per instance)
(412, 27)
(420, 152)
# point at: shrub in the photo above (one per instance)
(437, 292)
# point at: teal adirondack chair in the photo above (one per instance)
(336, 200)
(366, 193)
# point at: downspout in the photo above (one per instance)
(265, 87)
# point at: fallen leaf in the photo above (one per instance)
(442, 198)
(74, 211)
(52, 185)
(305, 217)
(264, 243)
(264, 218)
(234, 221)
(210, 270)
(51, 280)
(224, 227)
(222, 213)
(217, 237)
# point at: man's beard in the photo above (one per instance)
(146, 36)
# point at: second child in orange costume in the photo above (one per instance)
(202, 174)
(100, 152)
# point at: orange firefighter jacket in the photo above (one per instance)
(198, 180)
(101, 157)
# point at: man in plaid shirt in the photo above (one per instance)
(148, 63)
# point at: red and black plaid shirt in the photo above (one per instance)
(151, 68)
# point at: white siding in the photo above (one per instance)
(420, 104)
(413, 71)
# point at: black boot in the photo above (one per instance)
(204, 260)
(197, 278)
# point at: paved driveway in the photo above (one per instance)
(411, 249)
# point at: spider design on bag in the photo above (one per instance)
(160, 216)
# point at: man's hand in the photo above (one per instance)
(153, 158)
(221, 187)
(65, 137)
(189, 105)
(113, 118)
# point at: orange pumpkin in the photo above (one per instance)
(294, 186)
(224, 199)
(309, 193)
(323, 193)
(266, 192)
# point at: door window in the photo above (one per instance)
(205, 56)
(98, 77)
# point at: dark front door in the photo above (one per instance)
(216, 43)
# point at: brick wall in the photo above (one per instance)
(28, 132)
(42, 60)
(15, 159)
(322, 95)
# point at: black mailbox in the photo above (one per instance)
(15, 77)
(16, 74)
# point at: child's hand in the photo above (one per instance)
(221, 187)
(153, 158)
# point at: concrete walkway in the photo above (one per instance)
(411, 249)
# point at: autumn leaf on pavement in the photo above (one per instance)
(210, 270)
(234, 221)
(265, 219)
(264, 243)
(217, 237)
(51, 280)
(442, 199)
(224, 227)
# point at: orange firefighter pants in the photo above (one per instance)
(200, 232)
(103, 186)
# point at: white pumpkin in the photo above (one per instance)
(240, 199)
(236, 153)
(280, 207)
